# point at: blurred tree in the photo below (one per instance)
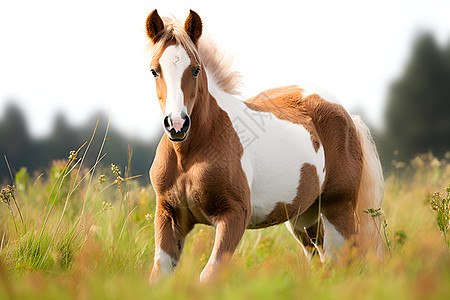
(15, 143)
(60, 142)
(418, 110)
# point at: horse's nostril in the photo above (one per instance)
(187, 123)
(167, 123)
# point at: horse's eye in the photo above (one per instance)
(154, 73)
(196, 72)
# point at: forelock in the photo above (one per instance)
(174, 31)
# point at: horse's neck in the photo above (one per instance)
(208, 117)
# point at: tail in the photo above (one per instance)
(371, 192)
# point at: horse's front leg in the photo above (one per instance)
(229, 230)
(170, 233)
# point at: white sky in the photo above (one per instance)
(84, 57)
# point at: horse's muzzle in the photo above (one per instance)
(177, 127)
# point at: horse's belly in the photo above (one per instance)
(275, 165)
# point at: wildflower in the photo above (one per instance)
(435, 201)
(374, 212)
(148, 217)
(101, 179)
(115, 170)
(72, 155)
(106, 206)
(6, 194)
(441, 204)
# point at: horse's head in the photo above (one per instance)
(177, 70)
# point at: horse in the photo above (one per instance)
(288, 155)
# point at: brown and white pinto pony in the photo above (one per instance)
(239, 165)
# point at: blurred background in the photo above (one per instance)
(63, 66)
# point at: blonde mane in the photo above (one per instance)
(218, 64)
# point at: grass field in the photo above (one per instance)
(88, 234)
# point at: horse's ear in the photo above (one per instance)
(193, 26)
(154, 26)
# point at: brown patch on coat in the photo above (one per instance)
(189, 85)
(343, 162)
(330, 124)
(285, 103)
(307, 192)
(161, 88)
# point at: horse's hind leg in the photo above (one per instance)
(340, 226)
(304, 229)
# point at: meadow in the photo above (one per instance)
(86, 232)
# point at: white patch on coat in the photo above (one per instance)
(174, 62)
(274, 152)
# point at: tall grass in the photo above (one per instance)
(88, 233)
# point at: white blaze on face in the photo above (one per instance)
(174, 62)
